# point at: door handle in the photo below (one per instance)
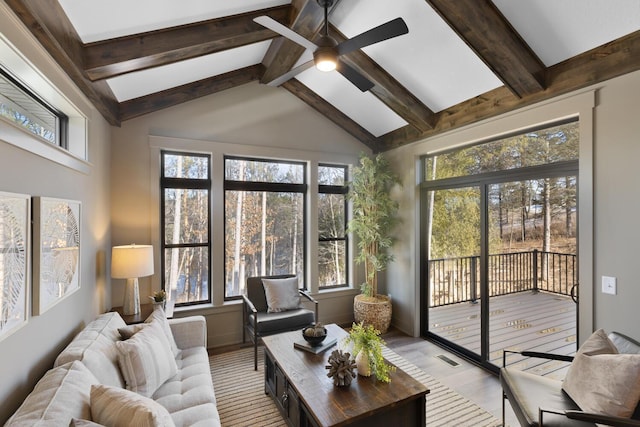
(574, 293)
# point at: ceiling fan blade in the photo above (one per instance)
(358, 80)
(292, 73)
(393, 28)
(274, 25)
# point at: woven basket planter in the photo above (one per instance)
(375, 312)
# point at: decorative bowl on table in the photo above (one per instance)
(314, 335)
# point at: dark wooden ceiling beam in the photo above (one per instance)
(485, 30)
(109, 58)
(187, 92)
(387, 89)
(605, 62)
(332, 113)
(49, 24)
(306, 19)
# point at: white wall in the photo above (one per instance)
(251, 120)
(29, 352)
(609, 202)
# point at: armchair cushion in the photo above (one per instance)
(269, 323)
(281, 294)
(601, 380)
(528, 392)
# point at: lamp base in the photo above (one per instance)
(131, 303)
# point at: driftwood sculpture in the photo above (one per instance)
(341, 368)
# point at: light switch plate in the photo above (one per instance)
(609, 285)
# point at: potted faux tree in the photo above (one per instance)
(372, 222)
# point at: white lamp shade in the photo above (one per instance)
(131, 261)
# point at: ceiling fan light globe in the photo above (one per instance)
(326, 65)
(325, 58)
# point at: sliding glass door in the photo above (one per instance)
(453, 253)
(532, 266)
(499, 262)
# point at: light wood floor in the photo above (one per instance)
(476, 384)
(523, 321)
(538, 321)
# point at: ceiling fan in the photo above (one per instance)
(327, 52)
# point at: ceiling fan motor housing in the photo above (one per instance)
(325, 57)
(325, 3)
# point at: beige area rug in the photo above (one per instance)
(242, 402)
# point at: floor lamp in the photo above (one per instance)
(130, 262)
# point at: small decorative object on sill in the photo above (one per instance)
(159, 298)
(341, 368)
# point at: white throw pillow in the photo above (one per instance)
(146, 360)
(601, 380)
(281, 294)
(159, 316)
(129, 330)
(112, 406)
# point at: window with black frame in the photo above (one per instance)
(332, 220)
(265, 224)
(185, 185)
(23, 108)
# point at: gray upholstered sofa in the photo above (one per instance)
(88, 372)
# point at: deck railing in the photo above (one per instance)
(454, 280)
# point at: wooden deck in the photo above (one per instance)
(523, 321)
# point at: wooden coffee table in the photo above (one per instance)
(297, 381)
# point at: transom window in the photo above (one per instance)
(332, 220)
(265, 223)
(23, 108)
(186, 226)
(536, 147)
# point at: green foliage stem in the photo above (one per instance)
(367, 338)
(374, 216)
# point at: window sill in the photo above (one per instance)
(235, 305)
(12, 134)
(204, 309)
(335, 292)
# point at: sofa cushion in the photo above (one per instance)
(146, 360)
(94, 347)
(60, 395)
(603, 381)
(281, 294)
(113, 406)
(160, 317)
(189, 396)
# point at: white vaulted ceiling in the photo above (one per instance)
(432, 62)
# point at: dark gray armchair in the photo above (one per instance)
(539, 401)
(257, 322)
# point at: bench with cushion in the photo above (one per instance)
(602, 386)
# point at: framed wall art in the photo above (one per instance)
(56, 251)
(15, 216)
